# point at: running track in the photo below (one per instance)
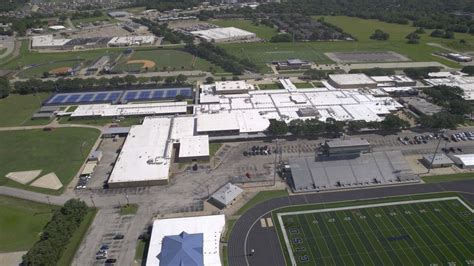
(247, 233)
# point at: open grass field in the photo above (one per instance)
(430, 231)
(165, 60)
(21, 223)
(104, 17)
(57, 151)
(17, 109)
(263, 53)
(447, 178)
(262, 31)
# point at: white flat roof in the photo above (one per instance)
(132, 40)
(465, 159)
(194, 146)
(223, 33)
(210, 226)
(352, 79)
(106, 110)
(238, 85)
(47, 41)
(224, 121)
(146, 154)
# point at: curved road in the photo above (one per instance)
(247, 233)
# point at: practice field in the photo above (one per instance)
(436, 231)
(264, 53)
(17, 109)
(21, 223)
(59, 151)
(163, 60)
(262, 31)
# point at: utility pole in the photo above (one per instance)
(275, 163)
(49, 203)
(435, 152)
(92, 200)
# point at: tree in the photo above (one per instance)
(283, 37)
(437, 33)
(448, 35)
(356, 126)
(277, 127)
(393, 123)
(413, 38)
(181, 79)
(315, 74)
(179, 98)
(170, 80)
(156, 79)
(441, 120)
(130, 79)
(380, 35)
(209, 80)
(5, 87)
(468, 70)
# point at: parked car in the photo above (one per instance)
(119, 237)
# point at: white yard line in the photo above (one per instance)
(285, 236)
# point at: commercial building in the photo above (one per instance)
(464, 82)
(394, 81)
(351, 81)
(421, 106)
(131, 41)
(219, 35)
(186, 241)
(147, 153)
(439, 161)
(349, 171)
(47, 42)
(225, 195)
(348, 146)
(139, 109)
(465, 161)
(292, 64)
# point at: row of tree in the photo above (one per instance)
(57, 234)
(311, 127)
(220, 57)
(5, 87)
(77, 84)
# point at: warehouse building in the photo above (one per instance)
(219, 35)
(348, 146)
(226, 195)
(186, 241)
(132, 41)
(465, 161)
(147, 153)
(440, 160)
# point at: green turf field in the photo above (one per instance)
(263, 53)
(21, 223)
(436, 231)
(165, 60)
(262, 31)
(57, 151)
(17, 109)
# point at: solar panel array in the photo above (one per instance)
(118, 96)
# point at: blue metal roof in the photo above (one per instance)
(183, 250)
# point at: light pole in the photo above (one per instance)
(435, 152)
(92, 200)
(275, 162)
(49, 203)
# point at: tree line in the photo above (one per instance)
(77, 84)
(220, 57)
(313, 127)
(57, 234)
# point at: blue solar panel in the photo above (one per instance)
(130, 95)
(185, 92)
(87, 97)
(157, 95)
(171, 93)
(73, 98)
(113, 96)
(144, 95)
(100, 97)
(58, 99)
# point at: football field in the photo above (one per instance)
(437, 231)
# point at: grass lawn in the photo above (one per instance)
(68, 254)
(21, 223)
(271, 86)
(129, 209)
(304, 85)
(419, 232)
(164, 59)
(38, 71)
(261, 197)
(141, 252)
(17, 109)
(93, 19)
(262, 31)
(31, 58)
(447, 178)
(57, 151)
(213, 148)
(262, 53)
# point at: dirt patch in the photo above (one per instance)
(60, 70)
(145, 63)
(49, 181)
(11, 258)
(23, 177)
